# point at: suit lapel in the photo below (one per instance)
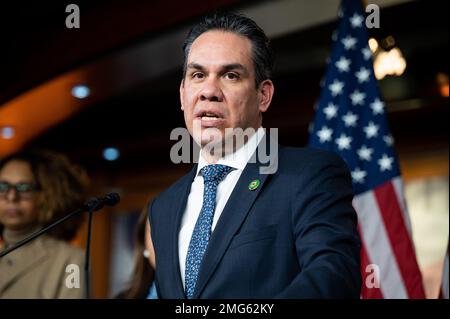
(180, 200)
(233, 215)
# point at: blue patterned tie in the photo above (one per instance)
(212, 176)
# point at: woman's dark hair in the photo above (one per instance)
(61, 188)
(262, 53)
(142, 276)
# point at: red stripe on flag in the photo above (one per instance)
(400, 239)
(367, 292)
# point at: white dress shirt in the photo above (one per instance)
(238, 161)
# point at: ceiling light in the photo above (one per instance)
(7, 132)
(373, 45)
(389, 63)
(81, 91)
(111, 154)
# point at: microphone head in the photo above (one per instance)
(111, 199)
(93, 204)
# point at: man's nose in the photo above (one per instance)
(211, 91)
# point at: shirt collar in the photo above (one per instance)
(14, 236)
(239, 159)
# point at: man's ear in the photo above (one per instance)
(182, 94)
(266, 91)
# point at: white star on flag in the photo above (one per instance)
(365, 153)
(363, 75)
(343, 142)
(371, 130)
(357, 97)
(349, 42)
(356, 21)
(366, 53)
(377, 106)
(350, 119)
(343, 64)
(385, 163)
(358, 175)
(330, 111)
(388, 139)
(325, 134)
(336, 87)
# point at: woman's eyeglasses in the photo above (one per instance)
(24, 189)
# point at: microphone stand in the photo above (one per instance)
(91, 205)
(87, 263)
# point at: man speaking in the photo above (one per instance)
(229, 229)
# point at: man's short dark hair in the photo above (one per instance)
(262, 54)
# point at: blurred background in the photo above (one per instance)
(106, 95)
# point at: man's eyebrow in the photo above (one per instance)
(234, 66)
(226, 67)
(195, 66)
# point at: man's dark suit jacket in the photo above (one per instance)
(295, 236)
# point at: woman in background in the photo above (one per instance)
(37, 188)
(141, 283)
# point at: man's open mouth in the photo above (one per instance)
(208, 116)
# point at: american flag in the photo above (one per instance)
(350, 120)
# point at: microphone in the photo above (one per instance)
(97, 203)
(111, 199)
